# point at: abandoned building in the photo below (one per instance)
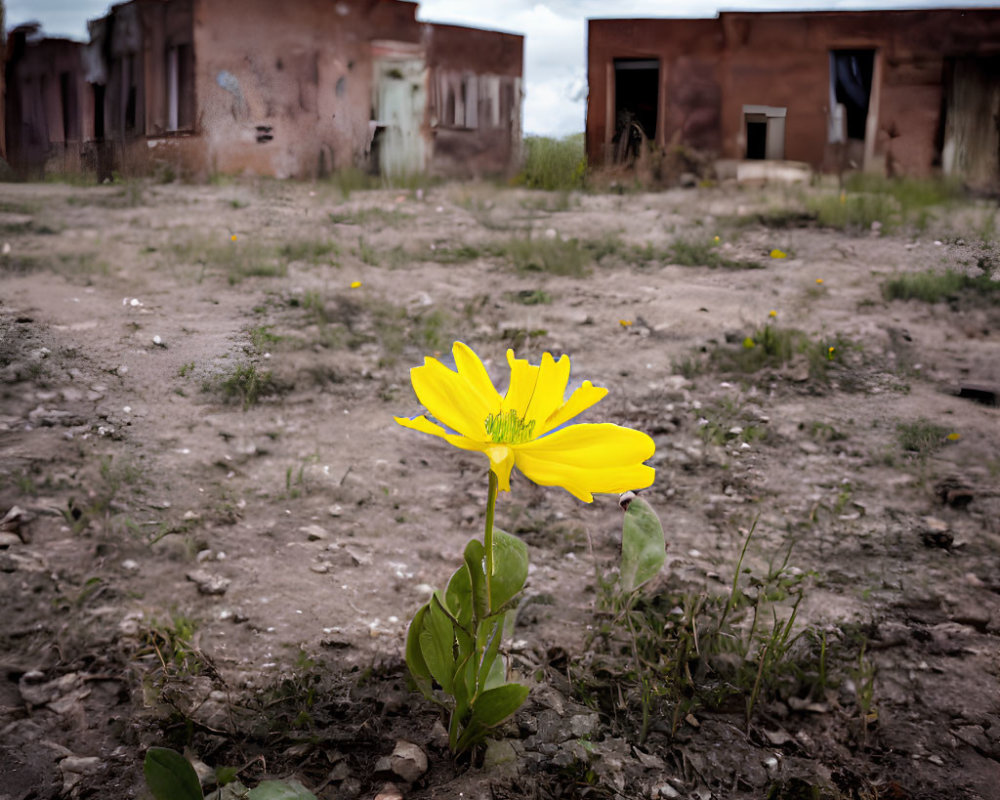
(196, 87)
(910, 93)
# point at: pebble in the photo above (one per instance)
(408, 761)
(314, 533)
(208, 583)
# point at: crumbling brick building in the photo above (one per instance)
(207, 86)
(899, 92)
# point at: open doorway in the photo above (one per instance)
(637, 92)
(850, 92)
(765, 132)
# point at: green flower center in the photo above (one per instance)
(509, 428)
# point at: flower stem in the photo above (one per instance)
(491, 504)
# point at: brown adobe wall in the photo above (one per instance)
(289, 94)
(49, 104)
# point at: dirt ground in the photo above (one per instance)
(216, 534)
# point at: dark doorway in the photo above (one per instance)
(637, 92)
(851, 76)
(756, 138)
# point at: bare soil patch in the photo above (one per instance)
(216, 535)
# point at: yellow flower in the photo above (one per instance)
(954, 437)
(524, 427)
(819, 280)
(716, 239)
(772, 314)
(749, 343)
(232, 238)
(776, 253)
(355, 284)
(829, 353)
(625, 323)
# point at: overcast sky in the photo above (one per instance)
(555, 68)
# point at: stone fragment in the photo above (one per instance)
(208, 583)
(408, 761)
(389, 792)
(314, 533)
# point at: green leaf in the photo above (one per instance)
(281, 790)
(437, 644)
(414, 656)
(510, 568)
(492, 707)
(170, 776)
(488, 644)
(475, 563)
(458, 595)
(643, 547)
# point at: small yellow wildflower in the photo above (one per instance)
(716, 239)
(232, 238)
(772, 314)
(954, 437)
(355, 284)
(819, 281)
(625, 323)
(829, 353)
(527, 428)
(749, 343)
(776, 253)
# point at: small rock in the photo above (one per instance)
(314, 533)
(208, 583)
(9, 539)
(581, 725)
(389, 792)
(320, 568)
(335, 510)
(498, 751)
(408, 761)
(130, 565)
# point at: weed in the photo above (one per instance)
(244, 383)
(311, 251)
(934, 287)
(263, 338)
(553, 256)
(237, 260)
(702, 650)
(367, 253)
(375, 218)
(774, 347)
(553, 164)
(704, 252)
(186, 369)
(530, 297)
(921, 439)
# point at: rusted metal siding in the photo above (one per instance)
(782, 61)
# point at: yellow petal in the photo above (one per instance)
(501, 462)
(523, 379)
(424, 425)
(550, 389)
(584, 459)
(450, 399)
(471, 368)
(582, 399)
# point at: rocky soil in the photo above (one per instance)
(215, 534)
